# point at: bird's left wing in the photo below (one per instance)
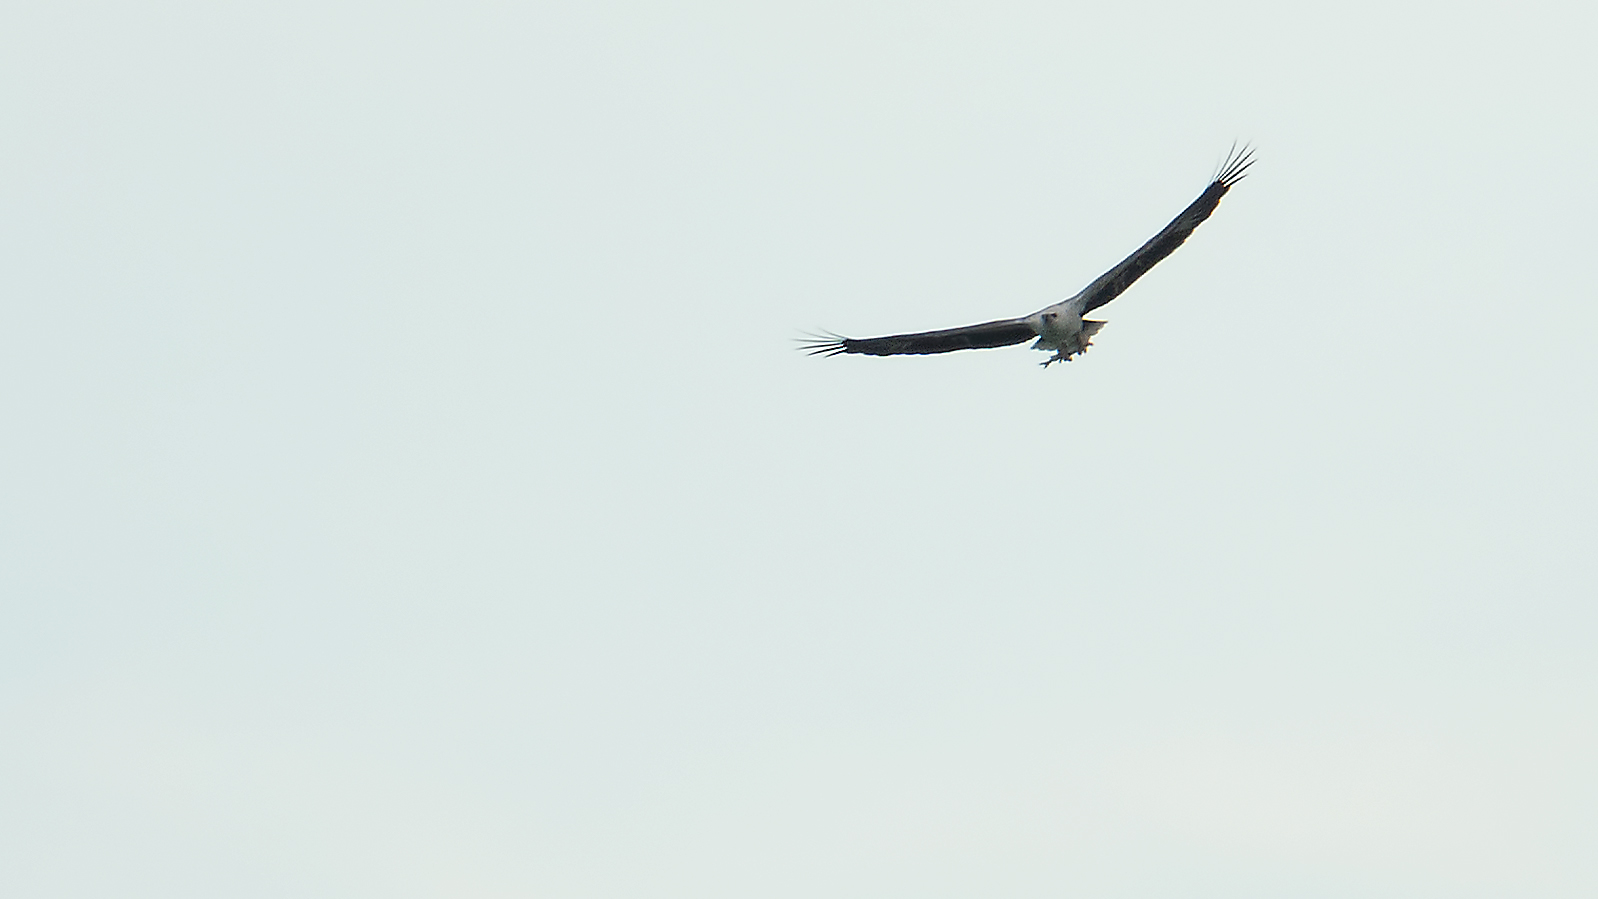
(1110, 284)
(972, 337)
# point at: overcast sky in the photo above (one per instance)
(411, 489)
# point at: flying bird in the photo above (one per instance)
(1059, 327)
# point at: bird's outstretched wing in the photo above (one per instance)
(971, 337)
(1110, 284)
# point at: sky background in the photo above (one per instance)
(411, 489)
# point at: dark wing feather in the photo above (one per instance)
(1110, 284)
(971, 337)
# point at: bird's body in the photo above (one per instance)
(1060, 327)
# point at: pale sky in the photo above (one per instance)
(411, 488)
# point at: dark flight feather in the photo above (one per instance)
(1109, 285)
(972, 337)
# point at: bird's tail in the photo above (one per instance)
(1090, 328)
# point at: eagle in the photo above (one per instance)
(1059, 327)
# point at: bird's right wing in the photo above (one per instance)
(972, 337)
